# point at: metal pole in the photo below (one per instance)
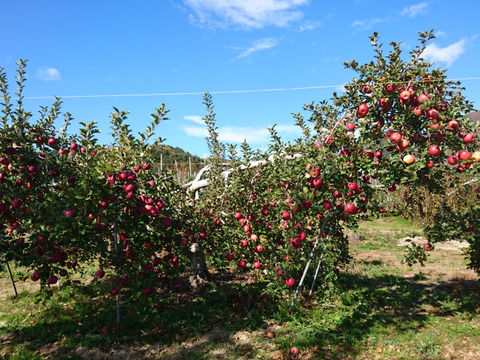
(308, 265)
(319, 263)
(116, 270)
(11, 279)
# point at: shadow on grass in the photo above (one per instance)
(172, 315)
(373, 307)
(365, 307)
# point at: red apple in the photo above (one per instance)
(350, 126)
(290, 282)
(395, 137)
(453, 159)
(362, 110)
(468, 138)
(390, 88)
(422, 98)
(35, 276)
(464, 155)
(434, 150)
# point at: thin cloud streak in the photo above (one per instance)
(259, 45)
(414, 10)
(234, 134)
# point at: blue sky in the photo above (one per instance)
(86, 48)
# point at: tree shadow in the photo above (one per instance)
(365, 305)
(376, 305)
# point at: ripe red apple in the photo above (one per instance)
(257, 265)
(390, 88)
(434, 150)
(259, 248)
(286, 215)
(294, 351)
(405, 96)
(350, 126)
(352, 185)
(238, 215)
(395, 137)
(244, 243)
(350, 208)
(453, 159)
(432, 114)
(453, 125)
(290, 282)
(122, 176)
(52, 141)
(148, 291)
(427, 246)
(242, 264)
(362, 110)
(270, 334)
(52, 279)
(429, 164)
(378, 154)
(468, 138)
(422, 98)
(35, 276)
(464, 155)
(69, 213)
(100, 273)
(16, 203)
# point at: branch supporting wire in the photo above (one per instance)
(308, 265)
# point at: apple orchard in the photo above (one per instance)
(68, 203)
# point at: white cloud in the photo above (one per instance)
(447, 54)
(245, 13)
(235, 134)
(307, 26)
(414, 10)
(195, 118)
(48, 74)
(440, 33)
(258, 45)
(366, 24)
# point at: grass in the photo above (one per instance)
(384, 310)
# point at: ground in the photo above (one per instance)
(385, 310)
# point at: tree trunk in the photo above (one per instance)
(201, 274)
